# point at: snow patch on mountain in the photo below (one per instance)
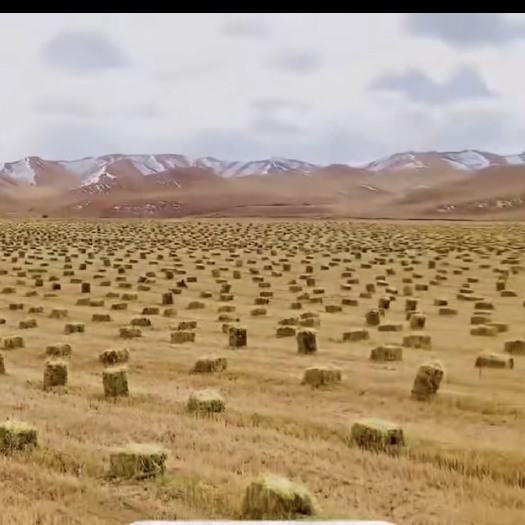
(397, 162)
(467, 160)
(514, 159)
(20, 170)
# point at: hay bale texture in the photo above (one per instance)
(137, 461)
(274, 497)
(206, 401)
(428, 380)
(237, 337)
(55, 373)
(307, 341)
(17, 435)
(208, 365)
(377, 434)
(494, 360)
(115, 382)
(322, 376)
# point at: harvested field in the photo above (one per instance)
(463, 459)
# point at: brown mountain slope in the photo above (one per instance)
(492, 192)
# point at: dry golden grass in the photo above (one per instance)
(464, 462)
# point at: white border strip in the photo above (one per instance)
(261, 522)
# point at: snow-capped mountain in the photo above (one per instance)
(89, 169)
(101, 170)
(467, 160)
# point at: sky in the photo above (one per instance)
(323, 88)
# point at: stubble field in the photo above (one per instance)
(464, 459)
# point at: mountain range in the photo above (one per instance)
(428, 185)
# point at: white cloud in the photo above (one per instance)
(242, 86)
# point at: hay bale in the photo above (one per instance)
(141, 321)
(206, 401)
(494, 360)
(377, 435)
(258, 312)
(12, 343)
(418, 341)
(390, 327)
(62, 350)
(484, 330)
(2, 365)
(357, 335)
(36, 310)
(74, 328)
(273, 497)
(478, 319)
(285, 331)
(29, 323)
(151, 310)
(170, 312)
(183, 336)
(17, 435)
(321, 376)
(373, 317)
(130, 332)
(195, 305)
(237, 337)
(484, 305)
(515, 347)
(387, 352)
(208, 365)
(227, 318)
(428, 380)
(115, 382)
(187, 325)
(55, 374)
(101, 318)
(417, 322)
(114, 356)
(384, 303)
(167, 299)
(500, 327)
(137, 461)
(411, 305)
(306, 341)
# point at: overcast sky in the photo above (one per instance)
(317, 87)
